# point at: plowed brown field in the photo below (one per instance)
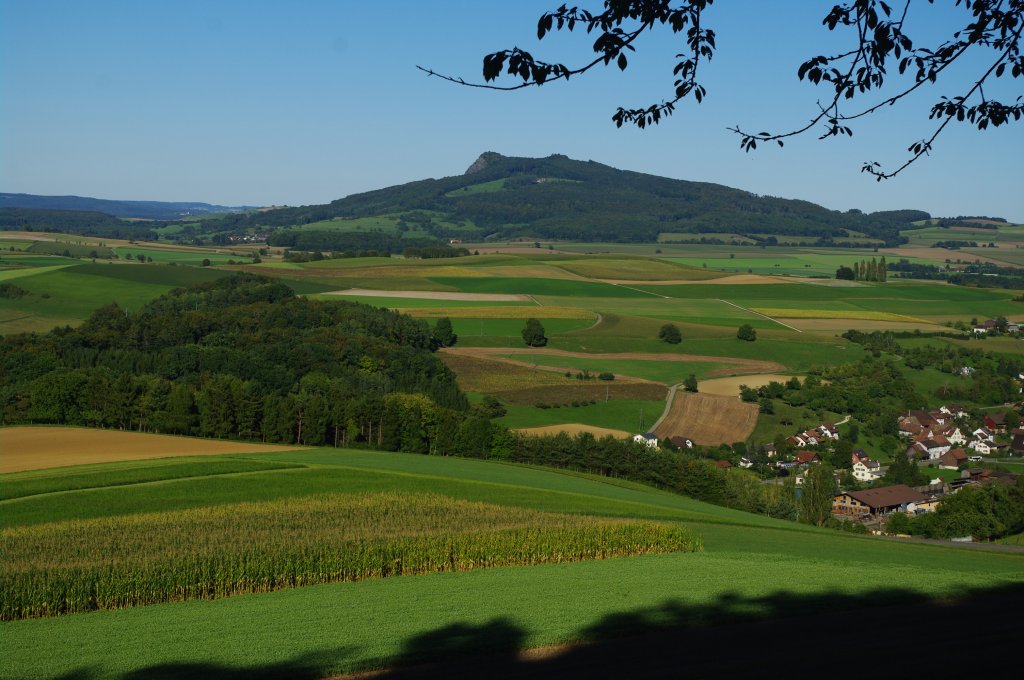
(708, 419)
(36, 448)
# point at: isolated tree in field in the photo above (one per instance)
(533, 333)
(819, 490)
(442, 333)
(985, 40)
(670, 333)
(690, 384)
(746, 332)
(845, 273)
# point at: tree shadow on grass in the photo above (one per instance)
(885, 633)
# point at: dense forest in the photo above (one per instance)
(81, 222)
(560, 198)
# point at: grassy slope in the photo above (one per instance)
(752, 566)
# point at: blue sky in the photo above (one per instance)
(304, 102)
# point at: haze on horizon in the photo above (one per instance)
(260, 103)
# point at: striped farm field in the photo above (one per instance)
(777, 312)
(510, 312)
(37, 448)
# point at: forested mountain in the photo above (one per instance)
(82, 222)
(560, 198)
(147, 210)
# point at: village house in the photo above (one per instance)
(647, 439)
(879, 502)
(746, 463)
(996, 422)
(829, 430)
(1017, 445)
(723, 464)
(981, 446)
(952, 459)
(955, 410)
(806, 457)
(983, 434)
(953, 434)
(867, 470)
(681, 442)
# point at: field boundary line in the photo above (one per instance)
(639, 290)
(751, 311)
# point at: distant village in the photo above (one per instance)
(935, 440)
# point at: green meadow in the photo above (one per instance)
(752, 568)
(625, 414)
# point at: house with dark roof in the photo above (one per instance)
(648, 439)
(952, 459)
(878, 501)
(1017, 445)
(996, 421)
(806, 457)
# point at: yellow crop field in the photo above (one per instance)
(834, 314)
(37, 448)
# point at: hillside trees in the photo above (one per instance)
(988, 32)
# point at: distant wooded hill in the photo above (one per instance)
(560, 198)
(147, 210)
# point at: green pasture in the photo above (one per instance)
(1009, 234)
(13, 245)
(69, 295)
(1007, 254)
(666, 372)
(182, 257)
(550, 287)
(623, 415)
(746, 573)
(511, 329)
(21, 272)
(481, 188)
(36, 482)
(72, 249)
(28, 260)
(416, 303)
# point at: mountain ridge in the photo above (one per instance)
(146, 210)
(560, 198)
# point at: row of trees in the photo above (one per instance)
(865, 270)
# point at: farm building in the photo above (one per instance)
(648, 439)
(952, 459)
(867, 470)
(880, 501)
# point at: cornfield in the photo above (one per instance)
(207, 553)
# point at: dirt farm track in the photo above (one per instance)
(37, 448)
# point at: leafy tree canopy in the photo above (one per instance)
(880, 44)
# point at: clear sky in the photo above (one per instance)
(260, 103)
